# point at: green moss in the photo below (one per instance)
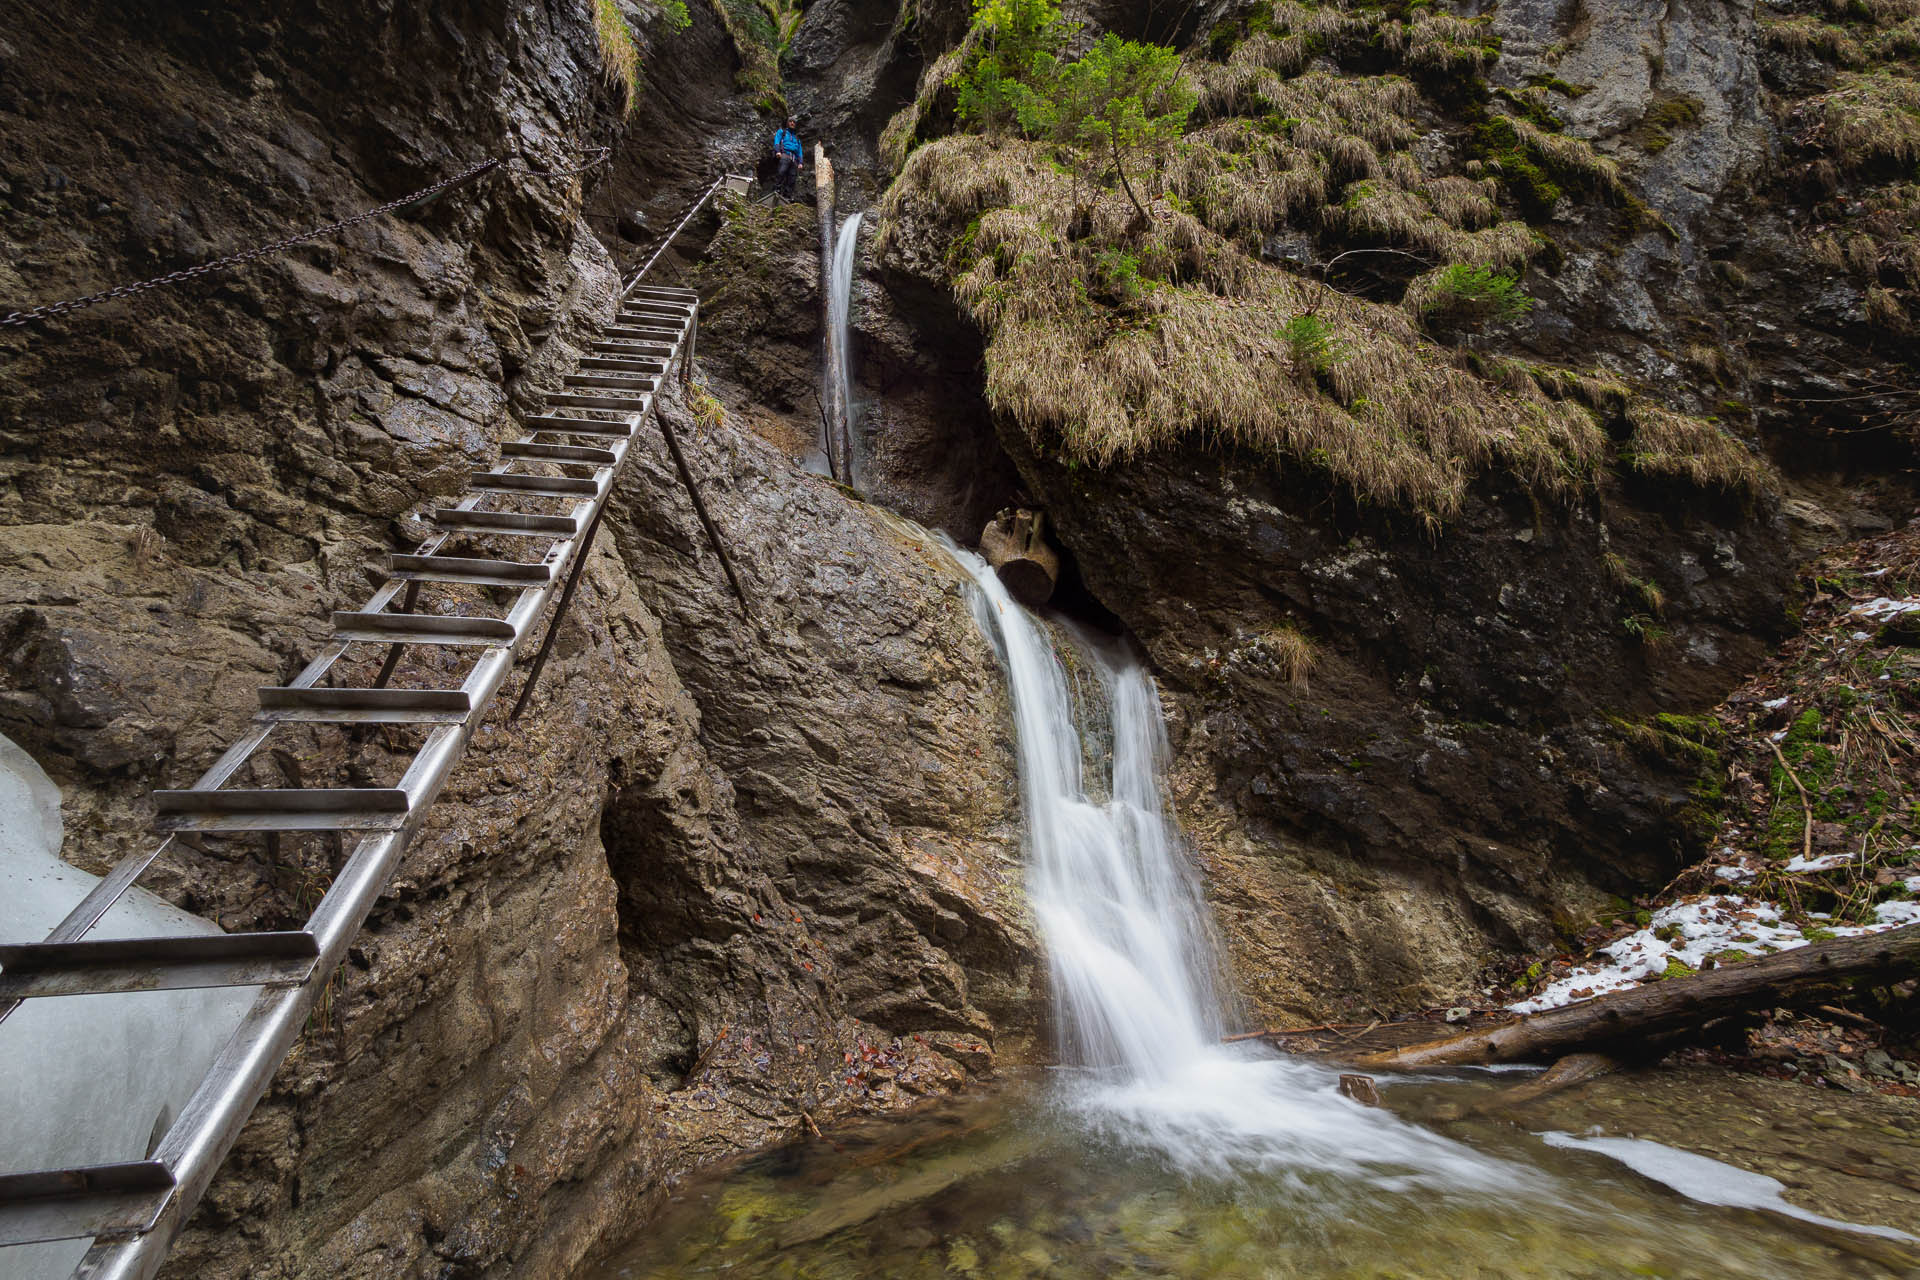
(1676, 969)
(1559, 86)
(1654, 133)
(1525, 180)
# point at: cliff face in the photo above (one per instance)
(652, 921)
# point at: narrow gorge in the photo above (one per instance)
(1447, 554)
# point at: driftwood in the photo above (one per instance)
(1625, 1018)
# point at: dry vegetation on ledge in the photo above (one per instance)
(1110, 334)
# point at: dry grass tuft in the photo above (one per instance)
(1882, 13)
(1293, 655)
(1871, 119)
(1110, 334)
(1442, 44)
(1676, 446)
(903, 131)
(1807, 34)
(1203, 355)
(617, 49)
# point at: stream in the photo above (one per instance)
(1156, 1150)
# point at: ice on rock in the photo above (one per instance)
(88, 1079)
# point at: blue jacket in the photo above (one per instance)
(785, 140)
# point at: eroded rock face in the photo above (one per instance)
(714, 874)
(1672, 94)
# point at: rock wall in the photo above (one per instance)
(719, 875)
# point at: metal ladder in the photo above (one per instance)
(580, 442)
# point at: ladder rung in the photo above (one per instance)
(289, 809)
(512, 522)
(636, 403)
(634, 364)
(638, 306)
(426, 628)
(577, 426)
(364, 706)
(633, 347)
(98, 965)
(543, 486)
(618, 382)
(470, 570)
(558, 452)
(75, 1203)
(663, 291)
(638, 334)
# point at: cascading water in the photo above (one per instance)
(1132, 955)
(839, 399)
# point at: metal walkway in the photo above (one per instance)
(546, 494)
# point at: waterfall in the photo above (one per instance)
(839, 399)
(1127, 935)
(1131, 952)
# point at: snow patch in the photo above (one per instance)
(1696, 929)
(1884, 607)
(1825, 862)
(88, 1079)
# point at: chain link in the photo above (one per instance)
(52, 309)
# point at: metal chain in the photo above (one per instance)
(52, 309)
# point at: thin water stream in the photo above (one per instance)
(1154, 1149)
(839, 371)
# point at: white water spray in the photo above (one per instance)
(846, 249)
(1133, 959)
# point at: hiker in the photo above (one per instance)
(790, 156)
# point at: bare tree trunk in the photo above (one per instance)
(1113, 140)
(1625, 1018)
(833, 410)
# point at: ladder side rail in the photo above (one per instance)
(698, 202)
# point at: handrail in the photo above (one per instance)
(730, 181)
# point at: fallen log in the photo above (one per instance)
(1621, 1019)
(1015, 544)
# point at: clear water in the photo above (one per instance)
(1017, 1185)
(1156, 1150)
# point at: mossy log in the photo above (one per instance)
(1015, 544)
(1624, 1019)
